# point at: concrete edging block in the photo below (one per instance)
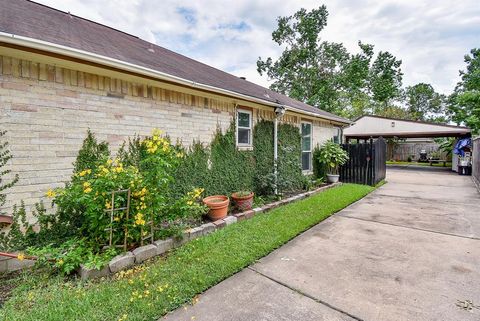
(163, 245)
(144, 253)
(89, 274)
(121, 262)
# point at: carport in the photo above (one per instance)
(369, 126)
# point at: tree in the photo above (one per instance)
(385, 79)
(464, 103)
(324, 74)
(5, 156)
(423, 103)
(307, 70)
(355, 82)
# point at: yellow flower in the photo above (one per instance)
(86, 184)
(190, 202)
(60, 262)
(51, 193)
(87, 190)
(108, 205)
(109, 162)
(116, 219)
(21, 256)
(156, 132)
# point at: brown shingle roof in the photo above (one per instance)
(33, 20)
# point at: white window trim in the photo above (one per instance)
(310, 170)
(250, 138)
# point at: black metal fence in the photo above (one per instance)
(367, 162)
(476, 161)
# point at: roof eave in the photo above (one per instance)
(126, 66)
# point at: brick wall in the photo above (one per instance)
(47, 109)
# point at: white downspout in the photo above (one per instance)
(275, 153)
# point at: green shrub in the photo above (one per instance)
(231, 170)
(5, 156)
(89, 195)
(264, 182)
(192, 171)
(90, 153)
(319, 168)
(290, 176)
(130, 153)
(332, 156)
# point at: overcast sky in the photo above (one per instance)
(430, 37)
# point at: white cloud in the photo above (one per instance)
(431, 38)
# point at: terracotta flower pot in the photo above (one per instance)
(243, 203)
(5, 220)
(218, 205)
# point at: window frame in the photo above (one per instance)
(250, 128)
(309, 170)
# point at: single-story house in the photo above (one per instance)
(61, 74)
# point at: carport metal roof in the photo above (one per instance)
(377, 126)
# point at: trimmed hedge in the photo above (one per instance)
(220, 168)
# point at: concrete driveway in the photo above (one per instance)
(408, 251)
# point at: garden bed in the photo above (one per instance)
(151, 290)
(160, 247)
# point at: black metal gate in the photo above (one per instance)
(367, 162)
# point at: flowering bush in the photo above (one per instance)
(89, 196)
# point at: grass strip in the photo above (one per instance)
(167, 283)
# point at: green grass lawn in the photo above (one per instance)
(169, 282)
(448, 164)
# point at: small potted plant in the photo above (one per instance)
(332, 156)
(218, 206)
(243, 200)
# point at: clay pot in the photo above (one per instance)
(5, 220)
(243, 203)
(218, 205)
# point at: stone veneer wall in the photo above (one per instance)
(47, 109)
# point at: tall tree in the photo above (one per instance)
(308, 69)
(385, 79)
(355, 82)
(464, 103)
(324, 74)
(423, 103)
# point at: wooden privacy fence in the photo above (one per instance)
(476, 161)
(367, 162)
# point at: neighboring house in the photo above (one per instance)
(61, 74)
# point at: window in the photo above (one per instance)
(306, 146)
(244, 128)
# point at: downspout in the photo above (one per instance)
(275, 153)
(279, 112)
